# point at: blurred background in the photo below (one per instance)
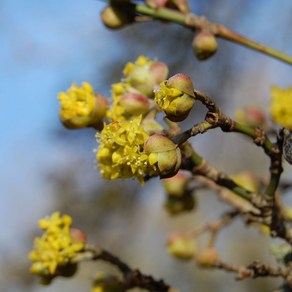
(47, 45)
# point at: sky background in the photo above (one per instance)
(47, 45)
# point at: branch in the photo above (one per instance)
(193, 21)
(131, 277)
(255, 270)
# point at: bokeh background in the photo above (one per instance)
(47, 45)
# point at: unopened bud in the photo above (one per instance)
(251, 116)
(157, 3)
(77, 235)
(176, 97)
(134, 103)
(164, 155)
(182, 5)
(204, 45)
(207, 257)
(181, 246)
(158, 71)
(176, 186)
(116, 16)
(177, 205)
(107, 283)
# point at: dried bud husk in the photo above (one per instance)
(181, 246)
(164, 155)
(287, 146)
(204, 45)
(207, 257)
(117, 16)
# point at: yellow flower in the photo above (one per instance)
(81, 107)
(141, 61)
(281, 106)
(55, 248)
(175, 97)
(120, 154)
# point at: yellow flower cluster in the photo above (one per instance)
(117, 111)
(141, 61)
(55, 248)
(120, 154)
(167, 97)
(281, 106)
(77, 101)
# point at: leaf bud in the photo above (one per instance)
(204, 45)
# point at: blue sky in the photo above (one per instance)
(45, 46)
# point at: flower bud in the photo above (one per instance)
(115, 16)
(251, 116)
(176, 97)
(77, 236)
(176, 186)
(164, 156)
(158, 71)
(107, 283)
(81, 107)
(207, 257)
(134, 104)
(177, 205)
(181, 246)
(157, 3)
(204, 45)
(181, 5)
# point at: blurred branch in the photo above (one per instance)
(131, 277)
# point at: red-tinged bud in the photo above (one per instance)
(77, 235)
(135, 103)
(157, 3)
(182, 5)
(207, 257)
(158, 71)
(181, 246)
(181, 82)
(164, 155)
(251, 116)
(116, 16)
(204, 45)
(176, 186)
